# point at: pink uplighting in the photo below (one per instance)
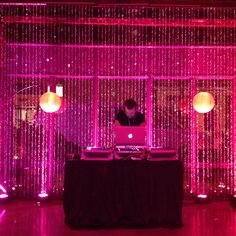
(202, 196)
(3, 196)
(43, 195)
(2, 214)
(3, 189)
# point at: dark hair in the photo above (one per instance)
(130, 103)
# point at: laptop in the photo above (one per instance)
(129, 135)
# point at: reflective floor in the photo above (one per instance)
(19, 217)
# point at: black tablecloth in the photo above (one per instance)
(124, 193)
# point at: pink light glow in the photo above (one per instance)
(203, 196)
(130, 136)
(2, 213)
(43, 195)
(3, 189)
(3, 196)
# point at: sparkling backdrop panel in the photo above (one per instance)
(102, 55)
(112, 95)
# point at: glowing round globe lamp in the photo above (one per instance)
(203, 102)
(63, 106)
(50, 102)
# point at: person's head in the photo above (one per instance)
(130, 107)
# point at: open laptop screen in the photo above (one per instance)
(129, 135)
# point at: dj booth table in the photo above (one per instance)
(123, 193)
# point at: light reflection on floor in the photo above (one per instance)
(19, 217)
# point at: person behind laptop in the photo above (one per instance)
(129, 116)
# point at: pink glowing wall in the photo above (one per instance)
(160, 65)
